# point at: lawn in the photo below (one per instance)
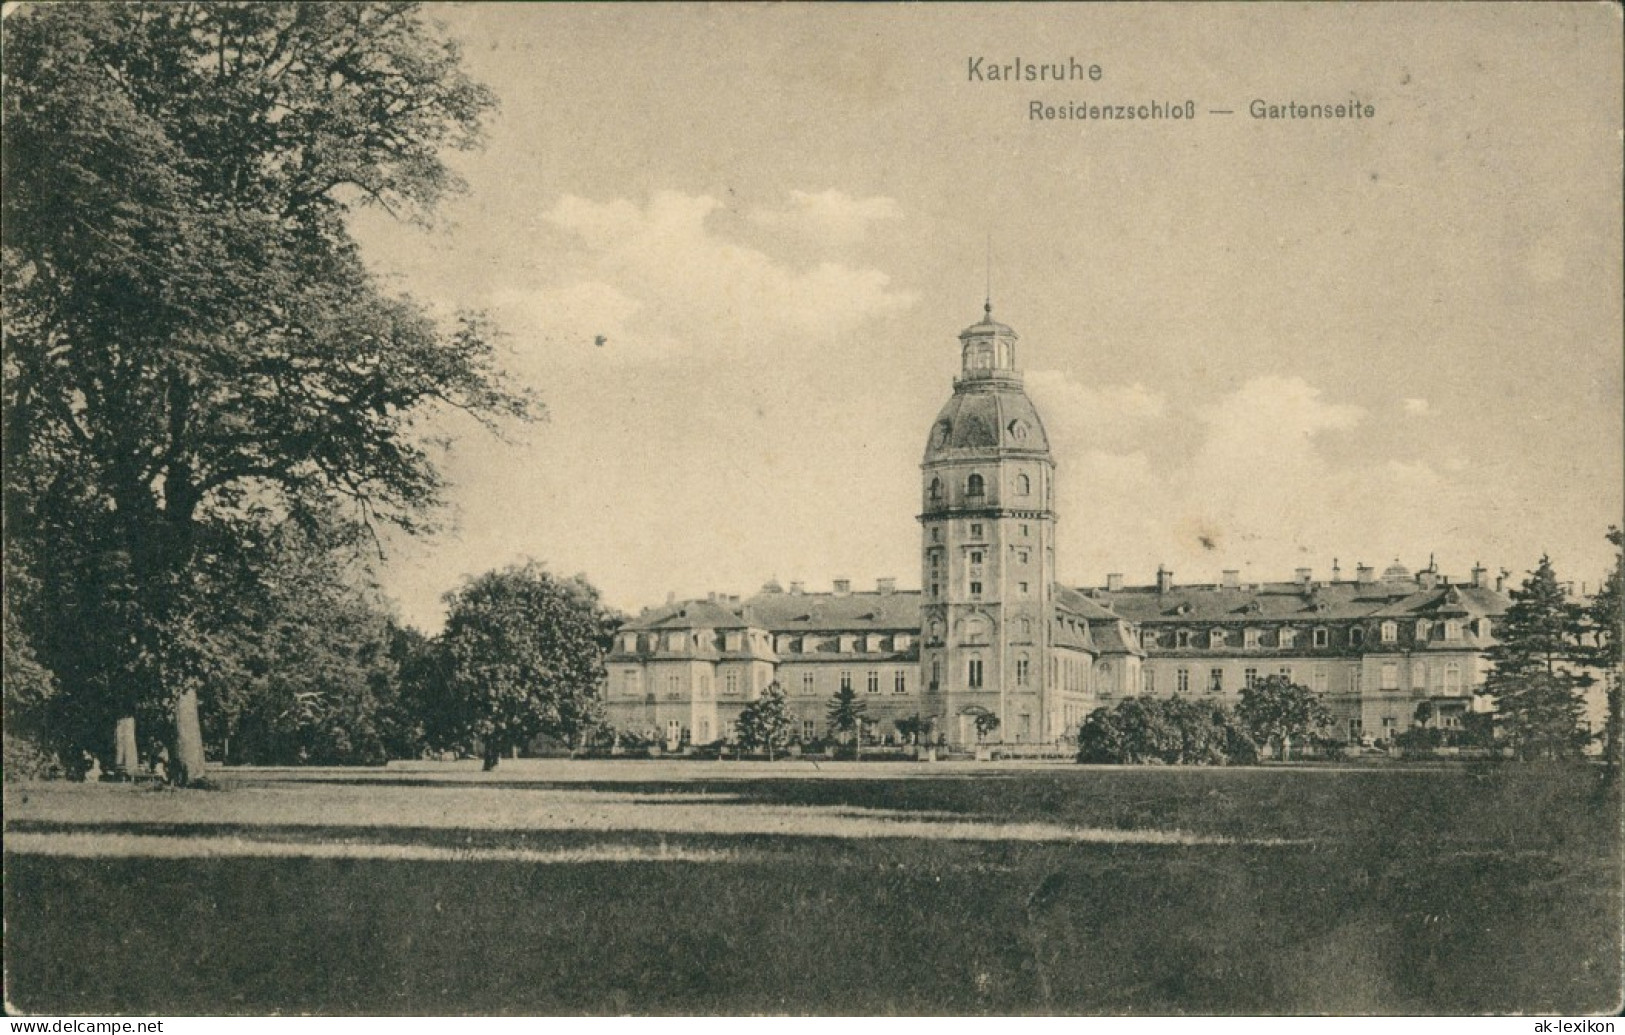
(670, 887)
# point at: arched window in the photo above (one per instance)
(936, 489)
(1024, 485)
(1390, 632)
(973, 485)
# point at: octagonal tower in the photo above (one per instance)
(987, 548)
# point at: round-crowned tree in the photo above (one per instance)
(522, 654)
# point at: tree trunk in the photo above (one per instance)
(186, 761)
(493, 755)
(125, 754)
(1286, 748)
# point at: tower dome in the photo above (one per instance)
(989, 412)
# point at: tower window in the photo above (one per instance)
(936, 490)
(974, 485)
(1021, 670)
(976, 529)
(975, 589)
(1025, 531)
(973, 672)
(1024, 485)
(976, 557)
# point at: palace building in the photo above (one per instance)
(991, 631)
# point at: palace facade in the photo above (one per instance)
(991, 631)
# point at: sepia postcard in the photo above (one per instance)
(924, 510)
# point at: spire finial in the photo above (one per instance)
(987, 305)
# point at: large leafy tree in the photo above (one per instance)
(1176, 732)
(764, 724)
(1277, 710)
(1534, 679)
(194, 349)
(521, 655)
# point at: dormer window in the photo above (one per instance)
(1215, 638)
(629, 642)
(1287, 637)
(1182, 639)
(675, 641)
(1390, 632)
(1423, 628)
(1452, 630)
(1356, 636)
(1249, 639)
(1322, 636)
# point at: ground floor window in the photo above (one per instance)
(808, 731)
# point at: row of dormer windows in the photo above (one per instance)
(690, 641)
(1290, 637)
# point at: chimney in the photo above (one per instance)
(1304, 575)
(843, 587)
(1165, 579)
(1478, 575)
(886, 585)
(1501, 581)
(1364, 574)
(797, 588)
(1337, 573)
(1232, 578)
(1426, 578)
(671, 596)
(1114, 582)
(711, 597)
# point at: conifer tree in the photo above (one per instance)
(1605, 625)
(846, 713)
(1535, 681)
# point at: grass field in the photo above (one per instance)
(671, 887)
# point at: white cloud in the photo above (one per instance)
(829, 217)
(1257, 491)
(657, 278)
(1416, 407)
(1082, 417)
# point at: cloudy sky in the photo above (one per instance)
(1256, 344)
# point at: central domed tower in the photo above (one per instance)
(987, 548)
